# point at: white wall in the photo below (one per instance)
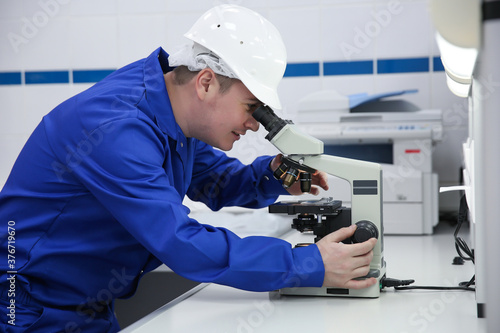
(72, 35)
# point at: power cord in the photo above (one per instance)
(405, 285)
(463, 251)
(388, 282)
(460, 245)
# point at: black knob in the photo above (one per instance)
(305, 182)
(364, 231)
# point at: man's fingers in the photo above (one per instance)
(275, 162)
(314, 190)
(341, 234)
(344, 262)
(346, 232)
(363, 261)
(360, 284)
(320, 179)
(363, 248)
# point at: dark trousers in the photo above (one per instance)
(19, 312)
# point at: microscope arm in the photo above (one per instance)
(365, 179)
(306, 151)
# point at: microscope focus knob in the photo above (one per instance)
(364, 231)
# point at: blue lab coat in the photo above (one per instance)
(95, 199)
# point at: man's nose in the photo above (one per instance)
(252, 124)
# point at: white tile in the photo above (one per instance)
(341, 2)
(11, 9)
(292, 89)
(260, 6)
(385, 2)
(300, 30)
(36, 10)
(277, 3)
(94, 42)
(138, 36)
(48, 48)
(93, 7)
(342, 33)
(12, 110)
(136, 7)
(177, 24)
(11, 46)
(402, 29)
(350, 84)
(10, 147)
(200, 6)
(434, 47)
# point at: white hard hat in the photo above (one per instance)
(246, 42)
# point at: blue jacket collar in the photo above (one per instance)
(156, 94)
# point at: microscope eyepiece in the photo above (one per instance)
(271, 122)
(266, 116)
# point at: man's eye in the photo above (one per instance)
(252, 107)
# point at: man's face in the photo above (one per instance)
(228, 116)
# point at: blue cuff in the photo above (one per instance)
(310, 270)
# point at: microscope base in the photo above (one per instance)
(371, 292)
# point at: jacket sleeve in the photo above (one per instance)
(124, 171)
(219, 180)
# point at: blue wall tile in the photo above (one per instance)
(90, 76)
(302, 69)
(348, 67)
(409, 65)
(47, 77)
(10, 78)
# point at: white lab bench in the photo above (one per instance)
(426, 259)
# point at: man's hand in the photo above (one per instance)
(319, 179)
(344, 262)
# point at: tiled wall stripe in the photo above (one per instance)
(391, 66)
(47, 77)
(302, 69)
(348, 68)
(384, 66)
(437, 65)
(90, 76)
(10, 78)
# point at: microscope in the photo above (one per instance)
(302, 156)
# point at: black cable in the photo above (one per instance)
(469, 283)
(388, 282)
(463, 251)
(436, 288)
(405, 285)
(460, 245)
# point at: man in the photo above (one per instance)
(94, 200)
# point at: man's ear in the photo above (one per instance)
(206, 83)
